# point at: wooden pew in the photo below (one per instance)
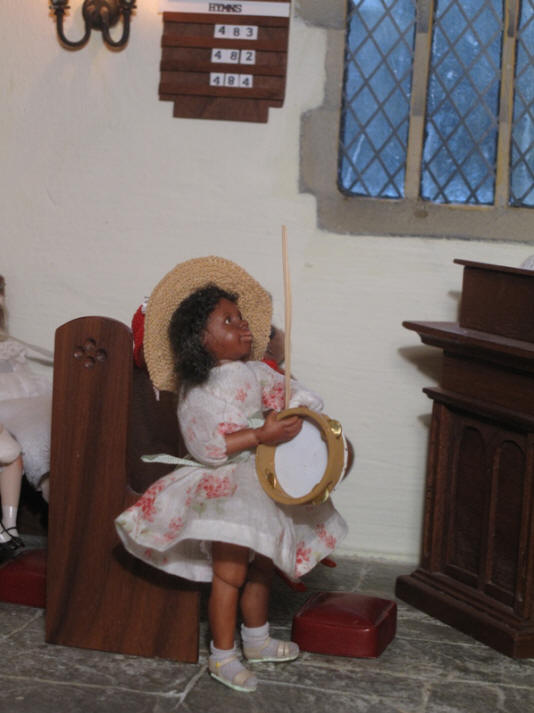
(105, 415)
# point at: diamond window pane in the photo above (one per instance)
(376, 97)
(522, 144)
(461, 125)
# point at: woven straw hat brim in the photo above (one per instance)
(254, 302)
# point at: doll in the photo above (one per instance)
(207, 324)
(25, 415)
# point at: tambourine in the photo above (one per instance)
(307, 468)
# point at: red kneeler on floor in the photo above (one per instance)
(23, 579)
(345, 624)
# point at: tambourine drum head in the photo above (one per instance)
(300, 463)
(307, 468)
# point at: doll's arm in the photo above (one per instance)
(272, 432)
(203, 427)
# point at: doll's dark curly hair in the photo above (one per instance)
(186, 331)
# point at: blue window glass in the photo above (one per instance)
(522, 145)
(461, 129)
(376, 97)
(464, 76)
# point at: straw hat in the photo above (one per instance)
(254, 302)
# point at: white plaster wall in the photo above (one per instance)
(102, 192)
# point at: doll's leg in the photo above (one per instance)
(230, 565)
(257, 644)
(10, 483)
(255, 598)
(10, 478)
(9, 448)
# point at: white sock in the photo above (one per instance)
(220, 654)
(254, 635)
(9, 517)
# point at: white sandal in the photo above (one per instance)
(238, 681)
(284, 651)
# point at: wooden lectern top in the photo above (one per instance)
(498, 300)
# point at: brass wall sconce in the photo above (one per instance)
(97, 15)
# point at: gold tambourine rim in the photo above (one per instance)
(334, 471)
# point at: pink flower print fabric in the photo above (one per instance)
(173, 524)
(273, 391)
(328, 539)
(229, 427)
(215, 486)
(203, 439)
(302, 558)
(147, 503)
(241, 395)
(273, 398)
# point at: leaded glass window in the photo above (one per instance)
(460, 147)
(438, 101)
(522, 153)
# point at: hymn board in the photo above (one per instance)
(224, 60)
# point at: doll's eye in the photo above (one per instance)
(228, 320)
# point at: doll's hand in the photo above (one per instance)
(275, 431)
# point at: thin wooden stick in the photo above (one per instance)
(287, 324)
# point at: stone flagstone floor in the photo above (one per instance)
(428, 668)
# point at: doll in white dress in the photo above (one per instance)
(211, 520)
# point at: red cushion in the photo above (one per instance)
(345, 624)
(23, 579)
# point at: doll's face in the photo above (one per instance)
(227, 336)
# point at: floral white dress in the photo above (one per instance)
(172, 525)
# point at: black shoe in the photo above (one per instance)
(14, 542)
(18, 542)
(7, 551)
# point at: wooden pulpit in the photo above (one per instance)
(477, 564)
